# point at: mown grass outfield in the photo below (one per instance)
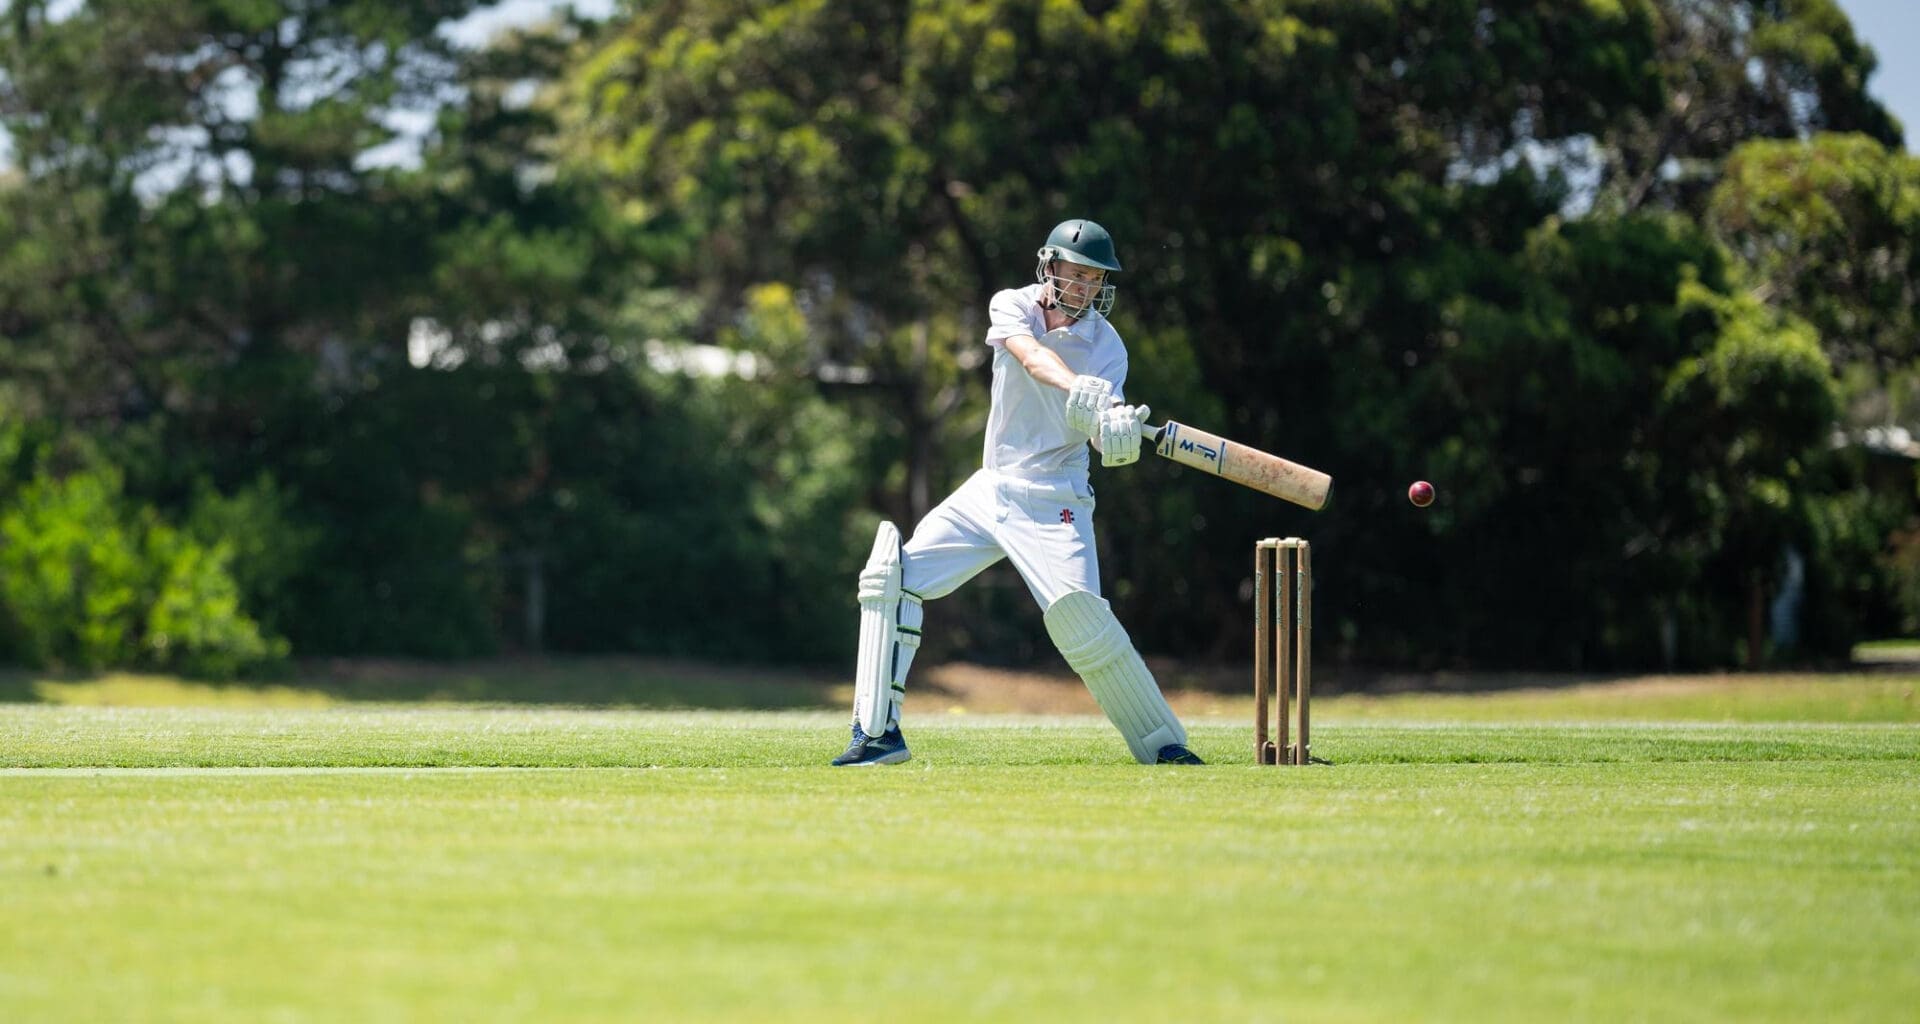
(1724, 849)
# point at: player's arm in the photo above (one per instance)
(1048, 368)
(1087, 396)
(1043, 363)
(1092, 407)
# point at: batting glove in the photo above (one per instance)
(1086, 400)
(1120, 434)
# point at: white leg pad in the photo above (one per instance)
(906, 644)
(890, 617)
(1098, 648)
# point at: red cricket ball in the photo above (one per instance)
(1421, 493)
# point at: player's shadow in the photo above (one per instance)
(614, 682)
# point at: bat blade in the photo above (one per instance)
(1244, 465)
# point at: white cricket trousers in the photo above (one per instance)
(1044, 525)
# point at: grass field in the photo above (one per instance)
(1721, 849)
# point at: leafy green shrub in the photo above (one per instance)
(70, 573)
(195, 621)
(90, 579)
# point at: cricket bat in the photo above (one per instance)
(1248, 467)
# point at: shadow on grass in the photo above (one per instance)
(1337, 679)
(610, 681)
(673, 684)
(16, 686)
(595, 682)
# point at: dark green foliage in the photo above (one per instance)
(1590, 267)
(1341, 251)
(271, 540)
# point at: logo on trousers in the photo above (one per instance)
(1066, 515)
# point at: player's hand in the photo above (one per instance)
(1120, 434)
(1086, 400)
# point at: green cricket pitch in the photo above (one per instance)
(1464, 859)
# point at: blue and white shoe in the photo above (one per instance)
(1174, 753)
(890, 748)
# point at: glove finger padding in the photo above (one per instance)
(1120, 434)
(1086, 400)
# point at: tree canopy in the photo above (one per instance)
(1613, 274)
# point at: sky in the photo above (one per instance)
(474, 29)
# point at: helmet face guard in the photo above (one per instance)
(1086, 244)
(1097, 298)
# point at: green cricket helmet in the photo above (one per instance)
(1087, 244)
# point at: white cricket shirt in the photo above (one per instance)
(1027, 432)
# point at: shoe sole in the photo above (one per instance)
(895, 757)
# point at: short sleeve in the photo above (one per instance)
(1007, 316)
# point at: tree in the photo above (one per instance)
(1388, 239)
(196, 200)
(1830, 228)
(1829, 231)
(1731, 71)
(893, 166)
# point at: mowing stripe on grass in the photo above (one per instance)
(42, 737)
